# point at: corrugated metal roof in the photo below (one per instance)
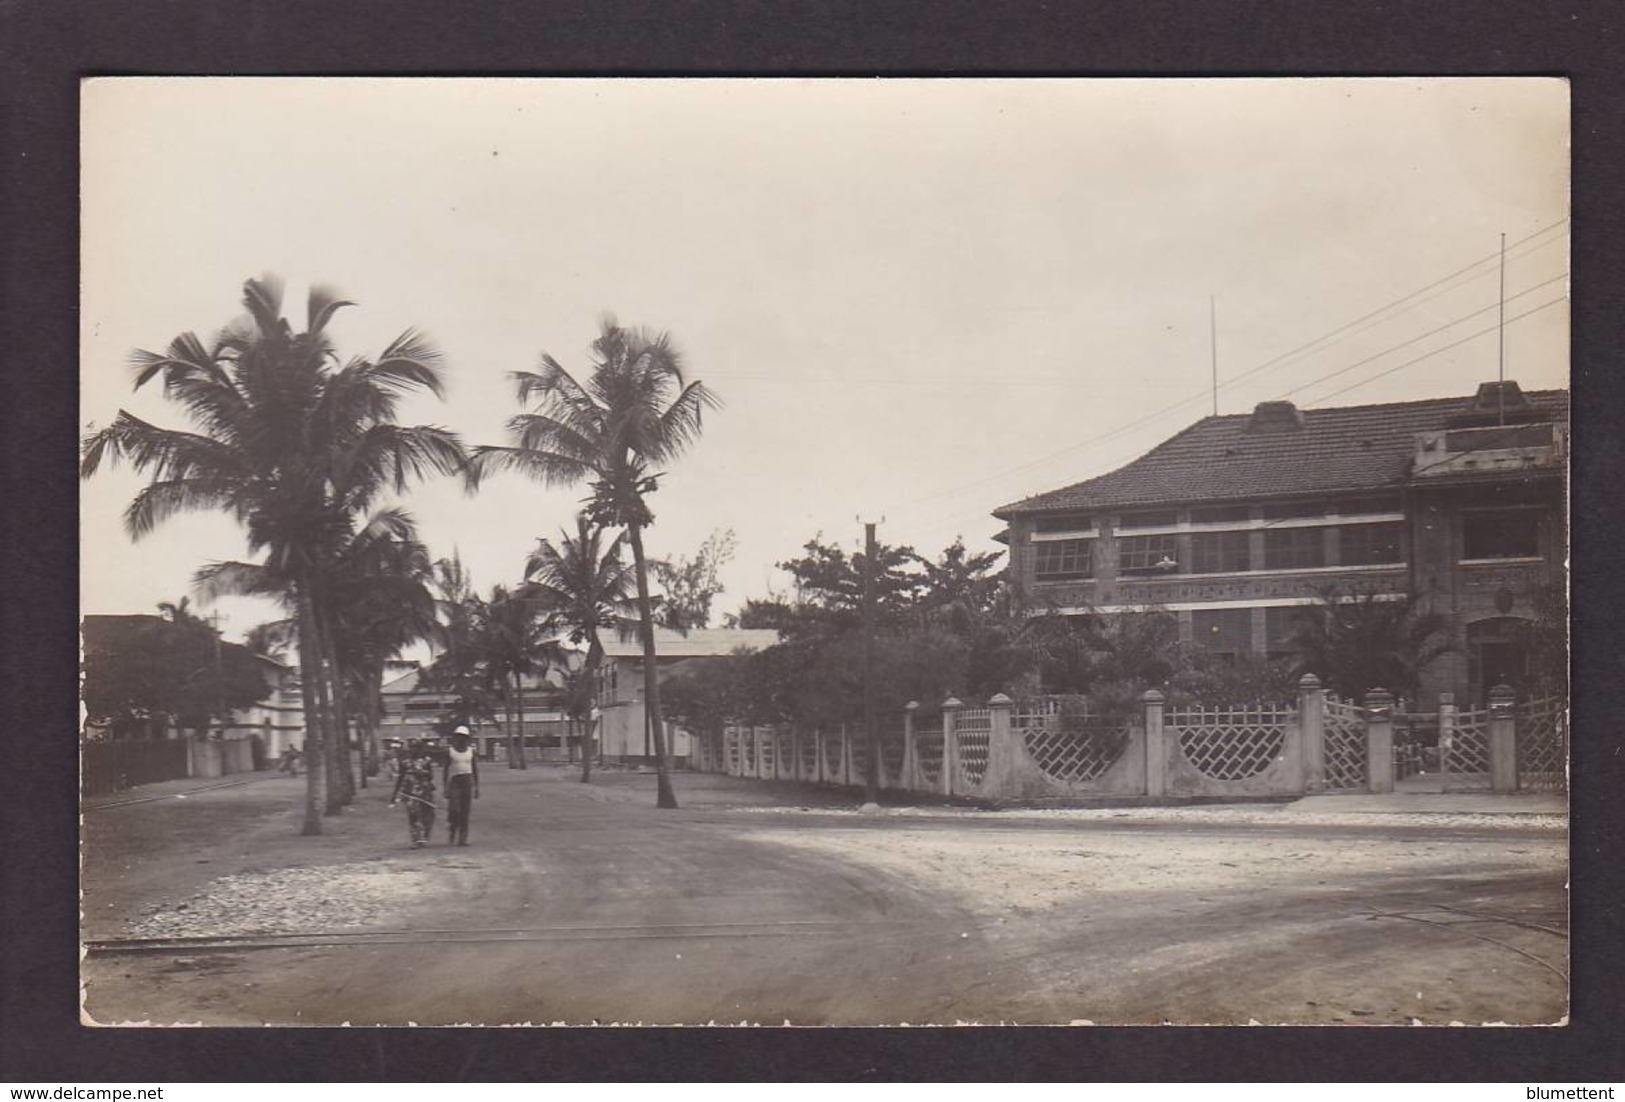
(1216, 459)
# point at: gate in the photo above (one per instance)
(1465, 753)
(1344, 740)
(1542, 735)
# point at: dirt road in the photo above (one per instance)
(585, 904)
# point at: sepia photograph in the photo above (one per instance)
(824, 552)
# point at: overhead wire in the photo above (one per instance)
(1325, 340)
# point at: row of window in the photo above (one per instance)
(1223, 514)
(1486, 534)
(1227, 552)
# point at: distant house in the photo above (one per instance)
(1240, 519)
(410, 710)
(623, 733)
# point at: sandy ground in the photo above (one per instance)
(995, 871)
(770, 904)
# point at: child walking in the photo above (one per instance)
(415, 784)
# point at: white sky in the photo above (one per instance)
(919, 299)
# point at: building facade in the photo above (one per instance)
(623, 724)
(1236, 523)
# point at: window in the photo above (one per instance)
(1224, 632)
(1292, 510)
(1294, 548)
(1219, 552)
(1218, 514)
(1281, 626)
(1147, 555)
(1155, 518)
(1501, 534)
(1069, 522)
(1060, 560)
(1364, 544)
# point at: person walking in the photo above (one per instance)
(461, 776)
(415, 784)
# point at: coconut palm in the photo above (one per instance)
(590, 587)
(515, 638)
(1359, 641)
(633, 414)
(289, 443)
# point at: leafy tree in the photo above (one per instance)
(690, 585)
(585, 582)
(1358, 641)
(289, 443)
(635, 412)
(138, 669)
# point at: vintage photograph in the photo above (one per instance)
(824, 552)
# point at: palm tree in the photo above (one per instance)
(590, 587)
(380, 604)
(1359, 641)
(289, 443)
(633, 414)
(516, 637)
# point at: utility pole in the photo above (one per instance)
(1213, 346)
(1501, 342)
(871, 785)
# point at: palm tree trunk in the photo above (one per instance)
(336, 683)
(336, 739)
(519, 708)
(309, 672)
(664, 796)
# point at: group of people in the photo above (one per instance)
(414, 784)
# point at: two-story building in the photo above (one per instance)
(1241, 519)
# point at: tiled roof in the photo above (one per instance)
(1216, 459)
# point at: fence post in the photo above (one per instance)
(950, 743)
(1447, 732)
(1312, 730)
(1156, 755)
(1001, 778)
(795, 751)
(846, 756)
(1503, 741)
(911, 767)
(1379, 740)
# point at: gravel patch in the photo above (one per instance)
(287, 901)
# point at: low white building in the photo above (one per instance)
(623, 733)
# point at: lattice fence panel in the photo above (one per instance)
(1467, 756)
(973, 731)
(809, 755)
(832, 753)
(1072, 749)
(1344, 740)
(1542, 735)
(892, 748)
(765, 751)
(928, 752)
(1230, 744)
(859, 739)
(784, 751)
(730, 741)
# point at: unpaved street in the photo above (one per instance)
(768, 905)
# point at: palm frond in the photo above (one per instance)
(389, 456)
(320, 306)
(546, 467)
(215, 580)
(410, 362)
(680, 424)
(263, 299)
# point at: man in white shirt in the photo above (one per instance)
(460, 775)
